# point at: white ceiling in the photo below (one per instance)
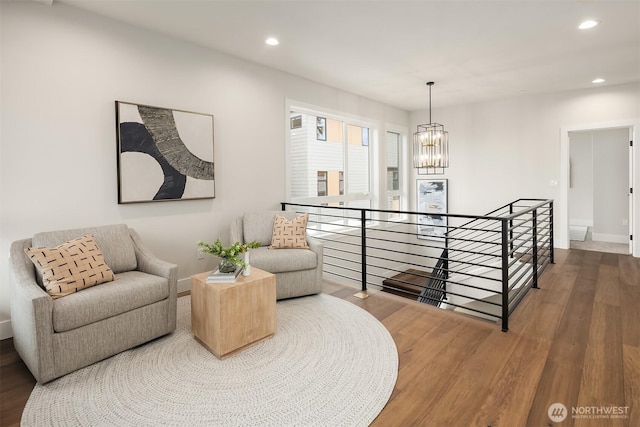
(388, 50)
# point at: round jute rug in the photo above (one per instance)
(330, 363)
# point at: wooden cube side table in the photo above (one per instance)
(228, 317)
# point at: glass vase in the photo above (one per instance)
(226, 266)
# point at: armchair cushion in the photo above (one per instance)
(290, 234)
(114, 241)
(132, 290)
(259, 225)
(71, 266)
(283, 260)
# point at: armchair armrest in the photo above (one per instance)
(316, 247)
(149, 263)
(31, 315)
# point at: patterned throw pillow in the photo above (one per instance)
(289, 233)
(71, 266)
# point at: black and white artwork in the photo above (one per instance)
(163, 154)
(432, 200)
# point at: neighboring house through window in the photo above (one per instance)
(330, 158)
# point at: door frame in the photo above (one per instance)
(562, 237)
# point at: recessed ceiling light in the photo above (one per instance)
(272, 41)
(588, 24)
(598, 80)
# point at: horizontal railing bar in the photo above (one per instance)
(516, 247)
(334, 240)
(515, 271)
(493, 254)
(449, 281)
(518, 296)
(546, 227)
(470, 264)
(520, 223)
(336, 256)
(407, 262)
(469, 230)
(518, 260)
(430, 288)
(525, 272)
(341, 275)
(343, 267)
(475, 310)
(397, 212)
(520, 234)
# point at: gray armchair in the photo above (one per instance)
(57, 336)
(298, 271)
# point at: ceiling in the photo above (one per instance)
(388, 50)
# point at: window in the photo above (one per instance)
(322, 183)
(334, 159)
(330, 183)
(329, 159)
(394, 191)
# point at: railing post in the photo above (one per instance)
(446, 258)
(511, 230)
(505, 276)
(535, 248)
(445, 264)
(552, 260)
(363, 248)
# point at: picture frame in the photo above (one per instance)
(321, 128)
(432, 199)
(163, 154)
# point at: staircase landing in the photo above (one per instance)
(408, 284)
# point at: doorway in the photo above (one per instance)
(599, 202)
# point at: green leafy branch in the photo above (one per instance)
(232, 253)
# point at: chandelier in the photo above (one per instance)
(430, 146)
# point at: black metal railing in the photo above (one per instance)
(479, 265)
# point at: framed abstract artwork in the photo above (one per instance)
(431, 196)
(163, 154)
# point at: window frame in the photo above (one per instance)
(377, 195)
(346, 119)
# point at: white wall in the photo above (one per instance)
(507, 149)
(62, 69)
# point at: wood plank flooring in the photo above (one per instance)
(574, 341)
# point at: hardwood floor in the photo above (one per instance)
(574, 341)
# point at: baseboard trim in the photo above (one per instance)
(611, 238)
(5, 330)
(581, 222)
(184, 285)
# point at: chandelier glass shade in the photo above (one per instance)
(430, 146)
